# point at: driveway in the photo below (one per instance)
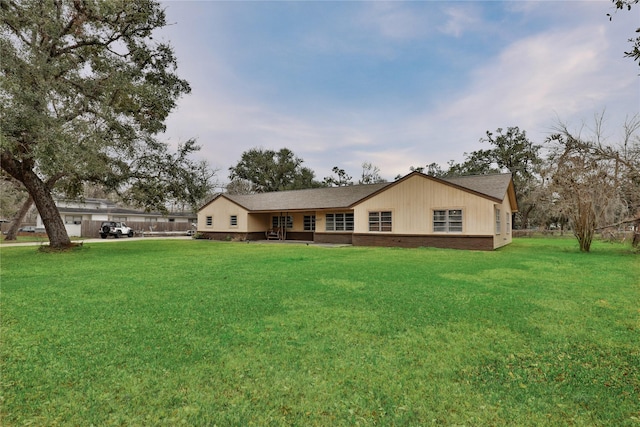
(107, 240)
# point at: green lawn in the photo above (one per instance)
(203, 333)
(25, 239)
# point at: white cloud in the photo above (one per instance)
(570, 72)
(566, 73)
(395, 20)
(460, 19)
(540, 73)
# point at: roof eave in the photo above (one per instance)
(433, 178)
(511, 192)
(226, 197)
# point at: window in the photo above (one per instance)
(447, 221)
(380, 221)
(172, 220)
(209, 221)
(70, 219)
(309, 223)
(339, 222)
(498, 225)
(119, 218)
(508, 221)
(150, 219)
(233, 220)
(280, 221)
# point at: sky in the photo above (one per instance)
(397, 84)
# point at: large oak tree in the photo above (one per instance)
(262, 171)
(84, 91)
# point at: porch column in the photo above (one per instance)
(284, 231)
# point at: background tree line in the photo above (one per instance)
(580, 180)
(577, 179)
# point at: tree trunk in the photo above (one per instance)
(524, 218)
(41, 194)
(584, 225)
(19, 216)
(12, 233)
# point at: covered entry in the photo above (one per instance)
(283, 225)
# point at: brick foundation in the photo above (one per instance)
(337, 238)
(481, 243)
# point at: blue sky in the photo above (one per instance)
(398, 84)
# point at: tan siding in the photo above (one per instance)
(505, 236)
(298, 221)
(413, 201)
(259, 222)
(221, 210)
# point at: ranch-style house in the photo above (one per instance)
(467, 212)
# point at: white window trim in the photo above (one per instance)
(311, 226)
(344, 222)
(447, 221)
(380, 222)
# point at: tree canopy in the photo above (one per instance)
(511, 151)
(370, 175)
(84, 92)
(269, 170)
(635, 50)
(341, 178)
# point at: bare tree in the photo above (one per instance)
(370, 174)
(592, 182)
(342, 178)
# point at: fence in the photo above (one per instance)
(92, 228)
(609, 234)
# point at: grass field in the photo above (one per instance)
(204, 333)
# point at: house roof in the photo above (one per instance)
(313, 198)
(122, 211)
(494, 187)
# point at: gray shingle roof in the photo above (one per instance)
(122, 211)
(492, 186)
(314, 198)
